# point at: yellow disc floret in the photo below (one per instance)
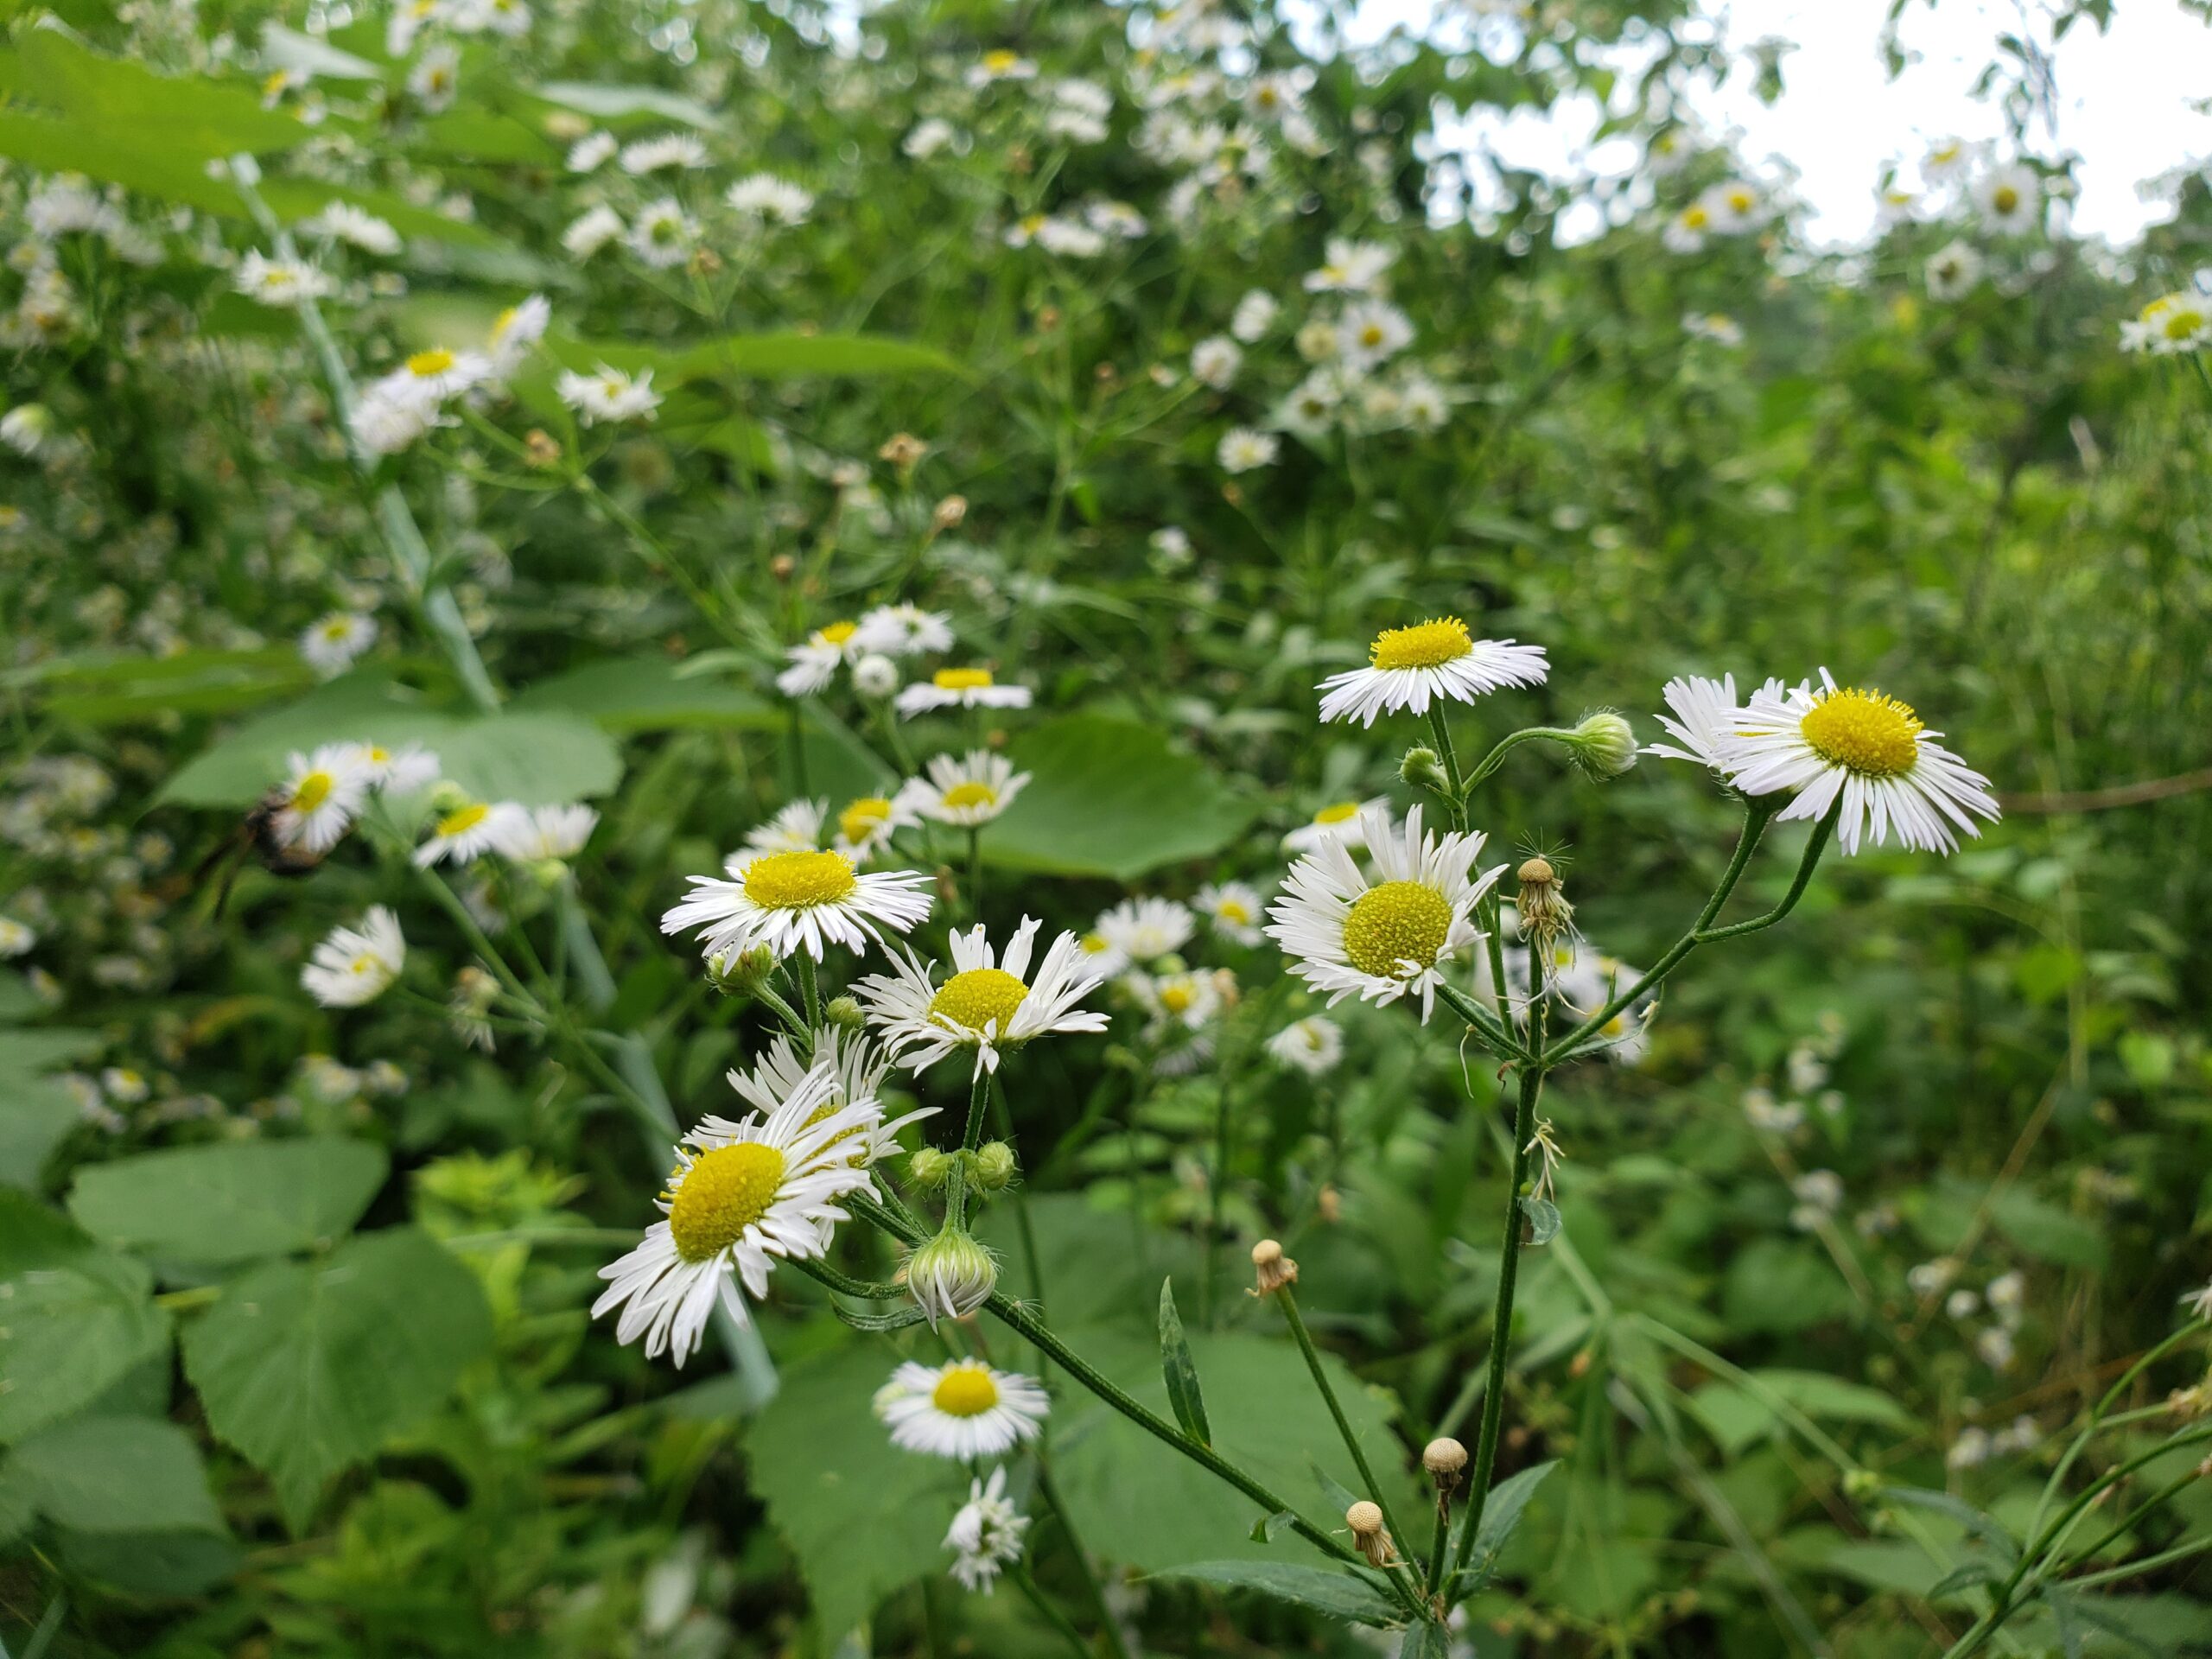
(1396, 923)
(2181, 321)
(978, 997)
(837, 632)
(1339, 812)
(1864, 732)
(312, 791)
(961, 679)
(1426, 645)
(799, 881)
(725, 1192)
(462, 819)
(436, 360)
(861, 818)
(965, 1390)
(971, 794)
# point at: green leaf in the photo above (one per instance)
(118, 690)
(77, 1318)
(862, 1516)
(614, 103)
(232, 1203)
(50, 1046)
(1178, 1370)
(1501, 1515)
(1542, 1217)
(308, 1369)
(1984, 1527)
(165, 114)
(1962, 1578)
(1425, 1641)
(1782, 1286)
(647, 694)
(1737, 1417)
(117, 1474)
(1110, 797)
(758, 357)
(537, 757)
(36, 1114)
(1339, 1595)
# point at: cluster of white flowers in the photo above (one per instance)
(2168, 325)
(1732, 207)
(397, 408)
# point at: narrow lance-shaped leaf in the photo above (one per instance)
(1180, 1370)
(1508, 1499)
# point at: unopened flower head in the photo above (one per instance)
(963, 1409)
(1434, 660)
(949, 1276)
(1603, 745)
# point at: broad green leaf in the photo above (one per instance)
(23, 1051)
(862, 1516)
(1782, 1286)
(1425, 1642)
(1181, 1374)
(1508, 1501)
(232, 1203)
(150, 1563)
(77, 1318)
(309, 1368)
(532, 757)
(646, 694)
(1737, 1417)
(36, 1114)
(1987, 1528)
(163, 113)
(1110, 797)
(1339, 1594)
(117, 1474)
(288, 49)
(116, 690)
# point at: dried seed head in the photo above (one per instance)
(1271, 1267)
(903, 450)
(949, 511)
(1443, 1458)
(1545, 913)
(1364, 1518)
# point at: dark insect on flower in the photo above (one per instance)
(260, 835)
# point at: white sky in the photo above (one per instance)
(2122, 102)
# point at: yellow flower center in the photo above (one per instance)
(312, 791)
(1000, 61)
(337, 628)
(961, 679)
(1426, 645)
(501, 323)
(861, 818)
(461, 820)
(1740, 200)
(859, 1158)
(978, 997)
(964, 1391)
(799, 881)
(725, 1192)
(1695, 217)
(2004, 198)
(1338, 812)
(276, 83)
(1094, 944)
(971, 794)
(2181, 322)
(1864, 732)
(1233, 910)
(1372, 335)
(1178, 995)
(837, 632)
(1397, 922)
(436, 360)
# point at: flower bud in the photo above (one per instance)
(928, 1168)
(1859, 1484)
(1271, 1267)
(951, 1275)
(1445, 1458)
(875, 675)
(447, 795)
(994, 1168)
(748, 972)
(1602, 746)
(844, 1012)
(1423, 769)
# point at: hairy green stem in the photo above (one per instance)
(1288, 1300)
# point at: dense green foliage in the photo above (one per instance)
(296, 1355)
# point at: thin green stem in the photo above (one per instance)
(975, 875)
(1505, 746)
(810, 990)
(1060, 1621)
(1296, 1320)
(1450, 756)
(1049, 1491)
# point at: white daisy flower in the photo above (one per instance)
(1313, 1045)
(515, 332)
(1234, 908)
(1704, 717)
(1339, 821)
(331, 645)
(987, 1004)
(1254, 316)
(667, 149)
(1145, 930)
(1101, 956)
(1243, 449)
(959, 688)
(1865, 751)
(1215, 361)
(986, 1534)
(857, 1069)
(400, 770)
(547, 832)
(320, 794)
(2010, 199)
(593, 230)
(906, 630)
(1436, 659)
(1946, 159)
(1372, 331)
(1000, 65)
(608, 395)
(764, 1188)
(867, 823)
(357, 964)
(592, 151)
(29, 430)
(1384, 936)
(967, 792)
(814, 664)
(435, 78)
(341, 221)
(1953, 269)
(2171, 324)
(125, 1084)
(961, 1409)
(1349, 267)
(1735, 205)
(464, 832)
(664, 233)
(927, 137)
(875, 675)
(281, 282)
(1183, 999)
(766, 200)
(437, 372)
(391, 416)
(1687, 231)
(797, 901)
(796, 828)
(16, 937)
(2199, 1303)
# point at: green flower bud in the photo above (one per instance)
(1859, 1484)
(844, 1011)
(994, 1165)
(928, 1168)
(951, 1275)
(1423, 769)
(1602, 746)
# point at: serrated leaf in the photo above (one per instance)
(1542, 1217)
(1180, 1370)
(1507, 1501)
(1339, 1595)
(74, 1318)
(308, 1368)
(1425, 1641)
(233, 1202)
